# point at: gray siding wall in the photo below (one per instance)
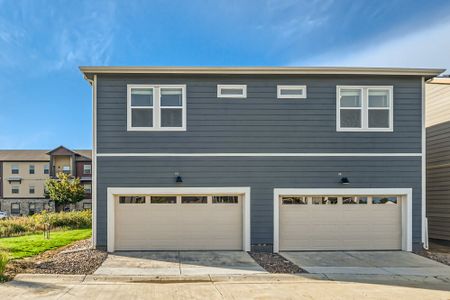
(262, 174)
(260, 123)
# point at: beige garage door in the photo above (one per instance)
(178, 222)
(340, 223)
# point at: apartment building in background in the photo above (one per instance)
(23, 174)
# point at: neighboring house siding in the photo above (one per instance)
(262, 174)
(260, 123)
(438, 160)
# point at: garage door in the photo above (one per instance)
(178, 222)
(340, 222)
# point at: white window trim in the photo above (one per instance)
(113, 192)
(365, 109)
(157, 107)
(232, 86)
(291, 87)
(406, 207)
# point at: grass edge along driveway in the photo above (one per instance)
(34, 244)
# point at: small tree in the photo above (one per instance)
(64, 190)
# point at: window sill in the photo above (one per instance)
(155, 129)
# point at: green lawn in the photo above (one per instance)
(29, 245)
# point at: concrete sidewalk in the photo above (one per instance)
(263, 286)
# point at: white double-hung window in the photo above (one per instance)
(156, 107)
(364, 108)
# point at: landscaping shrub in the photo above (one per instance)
(4, 258)
(35, 223)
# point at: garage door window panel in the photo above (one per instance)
(163, 199)
(194, 199)
(131, 199)
(354, 200)
(320, 200)
(294, 200)
(388, 200)
(225, 199)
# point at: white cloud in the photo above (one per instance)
(428, 47)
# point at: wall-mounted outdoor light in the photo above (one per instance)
(344, 180)
(178, 178)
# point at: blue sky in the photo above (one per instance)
(44, 102)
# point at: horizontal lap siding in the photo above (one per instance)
(438, 160)
(262, 174)
(260, 123)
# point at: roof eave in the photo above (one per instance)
(88, 71)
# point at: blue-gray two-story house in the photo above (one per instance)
(240, 158)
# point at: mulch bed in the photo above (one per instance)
(77, 258)
(275, 263)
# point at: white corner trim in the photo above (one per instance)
(259, 154)
(112, 192)
(406, 207)
(243, 87)
(94, 163)
(424, 172)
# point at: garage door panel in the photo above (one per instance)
(178, 226)
(339, 226)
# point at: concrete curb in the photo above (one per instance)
(208, 278)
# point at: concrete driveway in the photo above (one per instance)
(174, 263)
(367, 263)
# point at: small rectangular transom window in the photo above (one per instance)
(294, 200)
(225, 199)
(364, 108)
(163, 199)
(231, 91)
(131, 199)
(291, 91)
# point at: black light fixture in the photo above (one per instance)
(178, 178)
(344, 180)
